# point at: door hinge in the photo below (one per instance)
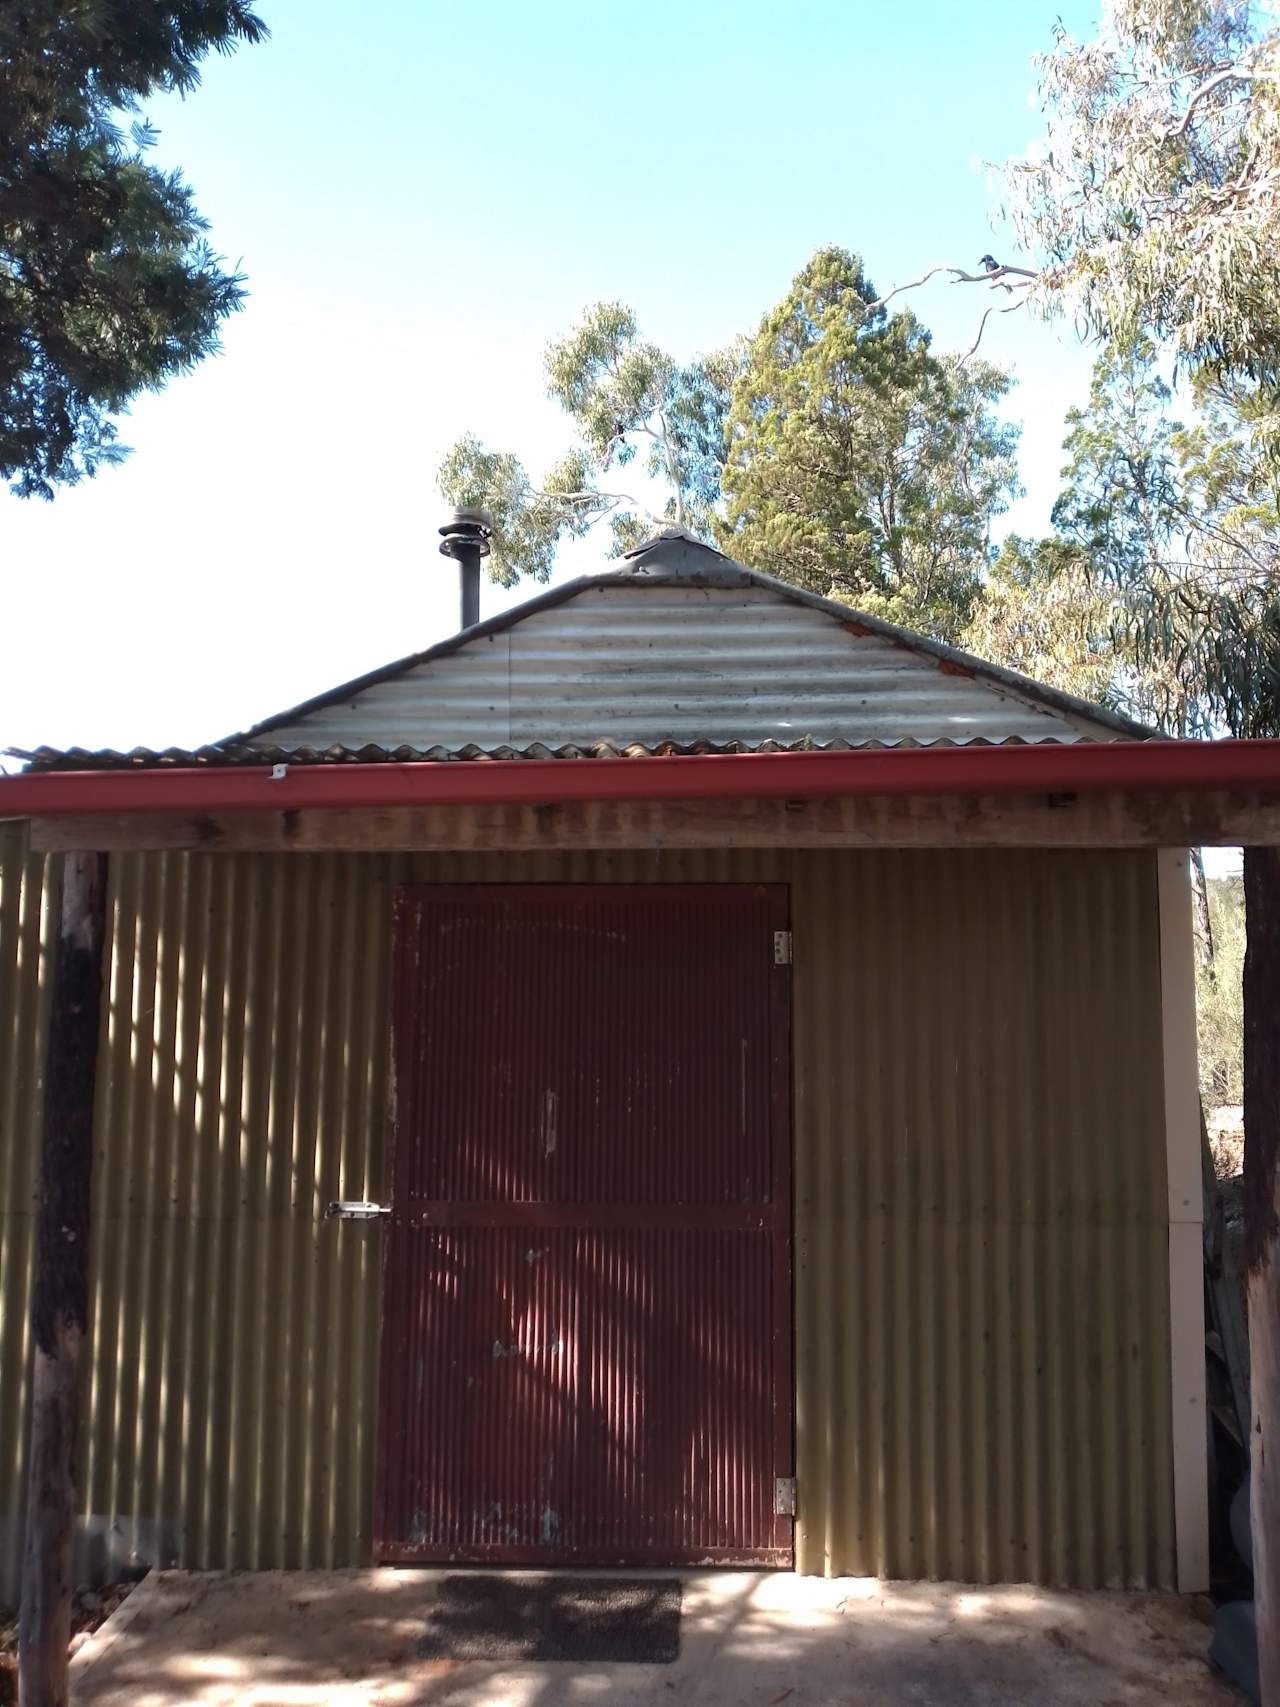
(782, 948)
(784, 1496)
(346, 1210)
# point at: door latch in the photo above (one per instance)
(347, 1209)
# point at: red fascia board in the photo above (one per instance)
(1050, 769)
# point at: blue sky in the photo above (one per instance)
(422, 195)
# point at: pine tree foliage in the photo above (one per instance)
(860, 464)
(108, 286)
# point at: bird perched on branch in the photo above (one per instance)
(991, 265)
(619, 438)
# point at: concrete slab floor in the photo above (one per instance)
(347, 1639)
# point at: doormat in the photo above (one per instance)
(635, 1620)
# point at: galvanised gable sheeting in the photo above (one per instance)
(981, 1223)
(634, 662)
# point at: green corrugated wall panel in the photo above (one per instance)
(982, 1273)
(26, 916)
(981, 1241)
(235, 1332)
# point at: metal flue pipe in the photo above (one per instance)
(465, 538)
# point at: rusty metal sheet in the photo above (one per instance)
(585, 1342)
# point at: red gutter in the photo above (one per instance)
(1048, 769)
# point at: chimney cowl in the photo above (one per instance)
(467, 530)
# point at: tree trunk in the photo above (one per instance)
(1262, 1239)
(59, 1300)
(1204, 919)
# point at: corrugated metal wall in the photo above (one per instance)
(981, 1240)
(25, 921)
(982, 1219)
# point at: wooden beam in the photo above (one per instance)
(60, 1290)
(1186, 1221)
(1190, 819)
(1262, 1240)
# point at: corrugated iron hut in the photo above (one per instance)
(769, 1037)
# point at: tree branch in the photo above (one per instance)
(663, 440)
(607, 454)
(604, 502)
(994, 278)
(1250, 161)
(1010, 308)
(914, 284)
(673, 470)
(1197, 524)
(958, 276)
(1232, 74)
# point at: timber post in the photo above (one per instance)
(1262, 1241)
(60, 1289)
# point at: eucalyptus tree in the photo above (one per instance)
(633, 409)
(1151, 208)
(1180, 527)
(1042, 612)
(1151, 204)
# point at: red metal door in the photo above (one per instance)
(586, 1325)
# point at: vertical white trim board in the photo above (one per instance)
(1186, 1220)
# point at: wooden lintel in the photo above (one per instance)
(1222, 818)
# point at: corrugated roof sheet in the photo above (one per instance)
(680, 651)
(233, 755)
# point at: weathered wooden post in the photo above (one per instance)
(1262, 1240)
(60, 1290)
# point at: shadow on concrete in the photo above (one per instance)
(350, 1638)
